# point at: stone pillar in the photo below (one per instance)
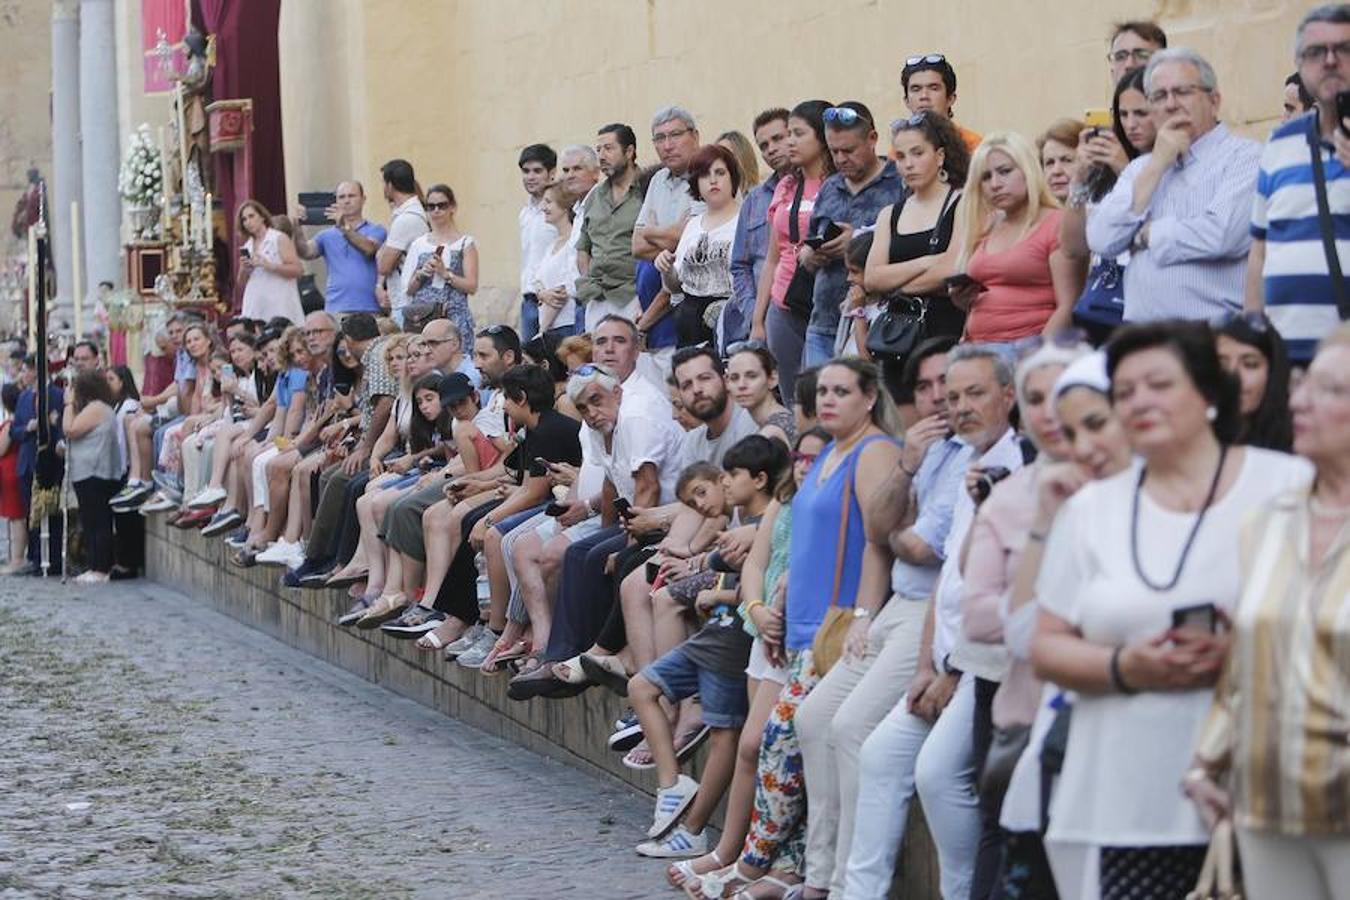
(101, 207)
(64, 185)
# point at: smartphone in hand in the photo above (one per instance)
(1200, 617)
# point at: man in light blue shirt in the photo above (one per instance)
(348, 249)
(751, 244)
(1184, 209)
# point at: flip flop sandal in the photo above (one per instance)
(607, 671)
(693, 740)
(631, 763)
(502, 656)
(342, 581)
(382, 610)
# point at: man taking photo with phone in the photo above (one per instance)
(348, 248)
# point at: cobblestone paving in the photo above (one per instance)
(152, 747)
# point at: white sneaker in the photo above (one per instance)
(208, 497)
(158, 503)
(91, 577)
(283, 553)
(679, 844)
(465, 641)
(474, 657)
(671, 803)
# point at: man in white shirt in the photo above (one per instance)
(579, 171)
(408, 221)
(537, 163)
(668, 204)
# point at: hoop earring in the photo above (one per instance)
(943, 176)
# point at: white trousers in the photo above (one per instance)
(835, 719)
(905, 753)
(260, 477)
(1283, 867)
(197, 453)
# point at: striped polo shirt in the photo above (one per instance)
(1284, 214)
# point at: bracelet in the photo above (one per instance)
(1117, 680)
(751, 604)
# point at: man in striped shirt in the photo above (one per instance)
(1183, 209)
(1288, 270)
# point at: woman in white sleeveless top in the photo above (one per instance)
(269, 268)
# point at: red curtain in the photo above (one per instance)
(247, 65)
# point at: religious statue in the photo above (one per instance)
(194, 84)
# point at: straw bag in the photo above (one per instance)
(828, 645)
(1218, 876)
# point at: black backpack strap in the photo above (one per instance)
(1324, 219)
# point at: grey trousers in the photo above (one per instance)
(403, 520)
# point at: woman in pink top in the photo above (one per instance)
(784, 332)
(1023, 284)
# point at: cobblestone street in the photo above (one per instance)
(155, 748)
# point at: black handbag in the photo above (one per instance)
(1328, 228)
(799, 298)
(901, 327)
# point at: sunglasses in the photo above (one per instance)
(913, 121)
(930, 59)
(804, 457)
(1066, 339)
(843, 115)
(743, 346)
(1254, 320)
(440, 204)
(591, 369)
(494, 330)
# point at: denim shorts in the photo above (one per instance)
(722, 697)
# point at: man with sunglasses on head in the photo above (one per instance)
(1182, 209)
(1290, 269)
(929, 85)
(849, 200)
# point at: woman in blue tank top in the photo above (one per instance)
(858, 413)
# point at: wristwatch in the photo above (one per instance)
(860, 613)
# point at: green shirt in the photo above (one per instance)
(607, 235)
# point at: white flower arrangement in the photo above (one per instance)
(140, 181)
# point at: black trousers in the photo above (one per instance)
(96, 520)
(990, 853)
(458, 596)
(614, 634)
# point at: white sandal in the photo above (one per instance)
(682, 872)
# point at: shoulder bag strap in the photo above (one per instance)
(1324, 219)
(794, 230)
(895, 215)
(936, 236)
(852, 464)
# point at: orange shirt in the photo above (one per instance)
(1019, 295)
(971, 138)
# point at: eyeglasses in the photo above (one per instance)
(436, 342)
(843, 115)
(315, 332)
(1318, 52)
(590, 369)
(1139, 54)
(743, 346)
(931, 59)
(438, 206)
(1180, 92)
(666, 137)
(1066, 339)
(913, 121)
(807, 458)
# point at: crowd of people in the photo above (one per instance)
(1012, 474)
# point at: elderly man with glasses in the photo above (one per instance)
(1182, 209)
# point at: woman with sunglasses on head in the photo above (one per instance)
(795, 197)
(1272, 758)
(1140, 573)
(752, 381)
(912, 235)
(444, 270)
(1252, 351)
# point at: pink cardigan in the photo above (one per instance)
(997, 539)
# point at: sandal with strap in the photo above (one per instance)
(782, 890)
(382, 610)
(607, 671)
(436, 639)
(715, 885)
(503, 653)
(681, 873)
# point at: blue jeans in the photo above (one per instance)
(581, 318)
(819, 349)
(723, 697)
(529, 317)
